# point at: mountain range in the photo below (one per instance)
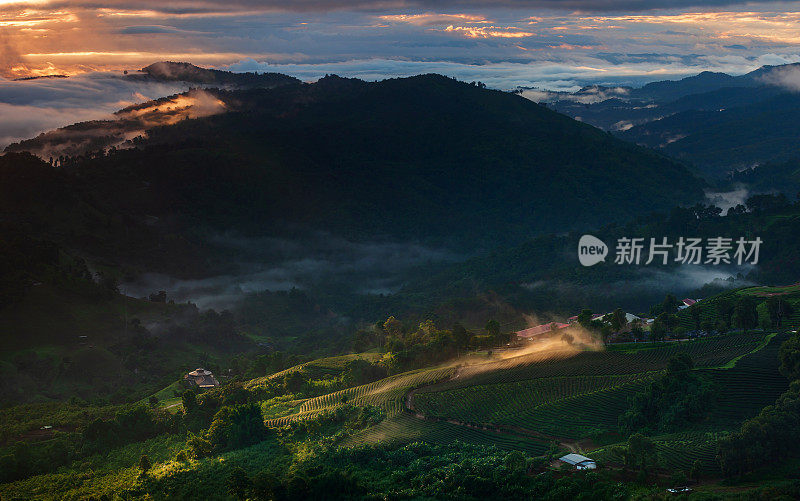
(424, 158)
(716, 122)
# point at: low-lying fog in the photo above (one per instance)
(316, 260)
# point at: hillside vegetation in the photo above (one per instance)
(471, 165)
(482, 423)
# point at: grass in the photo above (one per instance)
(524, 402)
(732, 363)
(16, 421)
(101, 475)
(708, 308)
(386, 393)
(72, 312)
(317, 369)
(528, 403)
(404, 429)
(540, 396)
(166, 396)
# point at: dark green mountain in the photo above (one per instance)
(167, 71)
(716, 122)
(726, 139)
(425, 158)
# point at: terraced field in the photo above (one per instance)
(678, 451)
(388, 393)
(743, 390)
(627, 359)
(521, 403)
(538, 397)
(709, 307)
(405, 428)
(530, 402)
(317, 369)
(751, 384)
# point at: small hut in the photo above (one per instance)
(201, 378)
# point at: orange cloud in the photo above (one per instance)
(430, 18)
(489, 31)
(567, 46)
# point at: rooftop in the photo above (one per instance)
(575, 459)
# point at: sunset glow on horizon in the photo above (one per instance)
(72, 37)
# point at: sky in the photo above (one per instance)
(549, 44)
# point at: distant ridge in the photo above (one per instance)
(425, 157)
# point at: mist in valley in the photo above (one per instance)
(312, 261)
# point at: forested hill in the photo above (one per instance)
(425, 157)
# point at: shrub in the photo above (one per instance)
(237, 426)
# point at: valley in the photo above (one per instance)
(266, 288)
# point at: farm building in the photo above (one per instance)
(595, 316)
(579, 462)
(201, 378)
(533, 332)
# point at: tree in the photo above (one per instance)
(144, 464)
(766, 202)
(238, 483)
(745, 314)
(393, 327)
(694, 312)
(516, 462)
(641, 451)
(293, 381)
(460, 336)
(493, 327)
(725, 307)
(657, 330)
(267, 486)
(585, 318)
(189, 400)
(618, 320)
(678, 397)
(696, 471)
(358, 372)
(774, 434)
(605, 331)
(237, 426)
(669, 320)
(778, 309)
(670, 304)
(198, 447)
(789, 357)
(568, 338)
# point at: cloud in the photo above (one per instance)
(786, 77)
(727, 199)
(19, 122)
(125, 125)
(32, 106)
(143, 30)
(559, 45)
(201, 7)
(310, 260)
(545, 74)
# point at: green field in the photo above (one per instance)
(540, 404)
(708, 308)
(568, 397)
